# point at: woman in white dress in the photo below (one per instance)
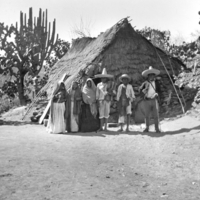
(58, 110)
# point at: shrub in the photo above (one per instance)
(6, 103)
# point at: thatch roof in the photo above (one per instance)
(120, 49)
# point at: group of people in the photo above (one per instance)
(88, 108)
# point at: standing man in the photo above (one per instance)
(125, 95)
(103, 96)
(150, 91)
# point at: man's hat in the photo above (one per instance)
(124, 76)
(151, 70)
(103, 74)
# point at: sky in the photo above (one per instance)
(180, 17)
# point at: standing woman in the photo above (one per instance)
(58, 110)
(89, 96)
(89, 120)
(75, 96)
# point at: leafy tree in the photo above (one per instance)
(158, 38)
(25, 50)
(9, 88)
(184, 52)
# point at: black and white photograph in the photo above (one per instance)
(100, 100)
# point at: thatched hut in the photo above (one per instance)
(120, 50)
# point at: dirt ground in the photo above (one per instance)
(35, 165)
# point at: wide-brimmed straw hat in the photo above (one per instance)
(124, 76)
(151, 70)
(104, 74)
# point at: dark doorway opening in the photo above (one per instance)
(96, 80)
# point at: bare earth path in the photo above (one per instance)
(36, 165)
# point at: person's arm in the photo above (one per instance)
(145, 87)
(97, 96)
(132, 93)
(119, 92)
(142, 87)
(111, 88)
(97, 93)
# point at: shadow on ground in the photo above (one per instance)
(150, 134)
(16, 123)
(138, 130)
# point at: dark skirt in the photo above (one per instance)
(87, 121)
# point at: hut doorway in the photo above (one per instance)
(96, 80)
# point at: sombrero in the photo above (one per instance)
(124, 76)
(151, 70)
(103, 74)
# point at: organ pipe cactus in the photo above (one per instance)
(38, 38)
(34, 40)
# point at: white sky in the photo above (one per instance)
(179, 16)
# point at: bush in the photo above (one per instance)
(6, 103)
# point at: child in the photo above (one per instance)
(125, 95)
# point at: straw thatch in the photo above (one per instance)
(120, 50)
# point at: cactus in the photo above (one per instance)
(34, 42)
(38, 36)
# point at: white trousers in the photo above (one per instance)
(121, 119)
(104, 109)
